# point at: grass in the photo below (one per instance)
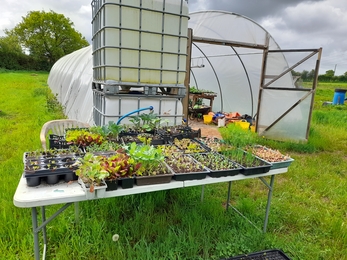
(307, 218)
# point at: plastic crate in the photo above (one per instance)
(273, 254)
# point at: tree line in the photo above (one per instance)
(41, 38)
(38, 41)
(329, 76)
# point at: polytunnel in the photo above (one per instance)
(230, 55)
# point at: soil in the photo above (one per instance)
(207, 130)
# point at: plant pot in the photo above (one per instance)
(98, 192)
(112, 184)
(52, 179)
(126, 183)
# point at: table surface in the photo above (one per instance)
(63, 192)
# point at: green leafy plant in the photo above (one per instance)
(120, 165)
(149, 157)
(146, 122)
(90, 170)
(83, 137)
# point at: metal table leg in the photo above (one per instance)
(269, 197)
(268, 204)
(35, 233)
(228, 197)
(37, 229)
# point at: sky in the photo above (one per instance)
(294, 24)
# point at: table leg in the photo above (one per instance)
(77, 212)
(44, 233)
(202, 192)
(35, 233)
(269, 196)
(228, 198)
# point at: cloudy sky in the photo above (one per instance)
(294, 24)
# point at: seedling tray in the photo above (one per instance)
(52, 169)
(273, 254)
(212, 160)
(276, 158)
(196, 172)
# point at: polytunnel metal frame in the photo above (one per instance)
(311, 91)
(231, 44)
(263, 85)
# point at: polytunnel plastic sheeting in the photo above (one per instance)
(293, 125)
(71, 79)
(233, 72)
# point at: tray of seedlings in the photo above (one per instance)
(184, 167)
(190, 146)
(218, 165)
(275, 157)
(49, 167)
(250, 163)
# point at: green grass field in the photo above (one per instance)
(308, 212)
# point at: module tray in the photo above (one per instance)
(217, 164)
(273, 254)
(52, 170)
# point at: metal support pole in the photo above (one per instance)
(269, 196)
(35, 233)
(202, 192)
(37, 229)
(228, 198)
(44, 233)
(77, 212)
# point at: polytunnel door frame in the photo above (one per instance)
(264, 129)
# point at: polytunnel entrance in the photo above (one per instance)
(244, 65)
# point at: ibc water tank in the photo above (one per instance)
(140, 43)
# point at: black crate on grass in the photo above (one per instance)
(273, 254)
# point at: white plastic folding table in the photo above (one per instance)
(68, 193)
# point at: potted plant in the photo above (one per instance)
(91, 174)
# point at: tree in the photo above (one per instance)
(47, 36)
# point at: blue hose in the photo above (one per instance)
(133, 112)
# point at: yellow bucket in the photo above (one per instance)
(243, 124)
(207, 119)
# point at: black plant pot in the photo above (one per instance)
(126, 183)
(111, 185)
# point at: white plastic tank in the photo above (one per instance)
(107, 108)
(140, 42)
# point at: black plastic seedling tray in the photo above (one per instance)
(273, 254)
